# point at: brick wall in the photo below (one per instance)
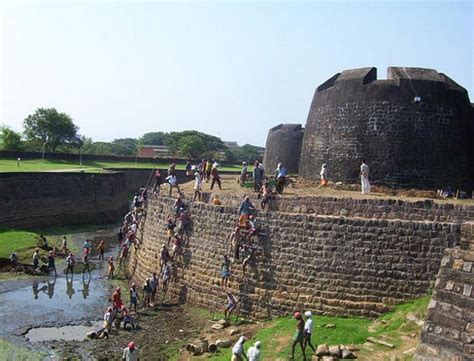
(449, 330)
(331, 264)
(57, 199)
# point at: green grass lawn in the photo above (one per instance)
(37, 165)
(10, 351)
(24, 241)
(276, 335)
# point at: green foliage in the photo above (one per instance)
(155, 138)
(9, 139)
(48, 127)
(15, 241)
(248, 153)
(194, 144)
(10, 351)
(125, 146)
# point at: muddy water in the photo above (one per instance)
(43, 305)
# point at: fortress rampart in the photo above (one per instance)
(283, 145)
(57, 199)
(415, 129)
(332, 264)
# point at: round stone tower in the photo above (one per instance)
(283, 145)
(415, 129)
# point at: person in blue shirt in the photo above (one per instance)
(281, 178)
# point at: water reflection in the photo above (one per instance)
(50, 288)
(85, 287)
(69, 288)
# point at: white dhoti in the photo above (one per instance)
(365, 184)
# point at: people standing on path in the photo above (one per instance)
(298, 337)
(364, 178)
(208, 169)
(243, 174)
(133, 297)
(308, 330)
(324, 176)
(130, 353)
(257, 175)
(64, 249)
(87, 246)
(197, 186)
(154, 281)
(280, 178)
(173, 183)
(147, 293)
(215, 178)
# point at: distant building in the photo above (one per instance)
(154, 151)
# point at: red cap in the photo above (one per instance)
(131, 345)
(297, 315)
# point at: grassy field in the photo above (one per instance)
(24, 241)
(276, 335)
(37, 165)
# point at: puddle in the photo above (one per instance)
(49, 301)
(66, 333)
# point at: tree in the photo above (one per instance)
(155, 138)
(51, 129)
(247, 152)
(125, 146)
(191, 143)
(192, 146)
(9, 139)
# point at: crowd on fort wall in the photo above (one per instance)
(332, 264)
(30, 199)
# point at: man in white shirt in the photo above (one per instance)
(253, 353)
(238, 353)
(197, 186)
(308, 330)
(130, 353)
(173, 182)
(364, 178)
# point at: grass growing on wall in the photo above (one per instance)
(276, 335)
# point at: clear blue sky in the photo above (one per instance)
(230, 69)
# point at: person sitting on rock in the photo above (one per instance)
(127, 319)
(216, 200)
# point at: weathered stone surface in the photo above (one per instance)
(449, 331)
(354, 116)
(299, 265)
(335, 351)
(58, 199)
(322, 350)
(283, 145)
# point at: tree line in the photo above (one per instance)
(51, 131)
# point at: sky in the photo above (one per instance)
(231, 69)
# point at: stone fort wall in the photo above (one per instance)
(283, 145)
(448, 333)
(332, 264)
(55, 199)
(407, 143)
